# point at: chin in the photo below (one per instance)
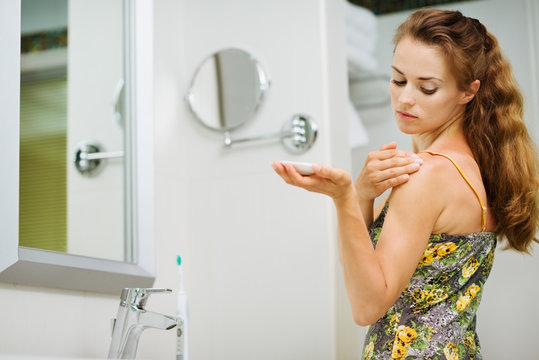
(408, 130)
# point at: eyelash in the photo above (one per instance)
(425, 91)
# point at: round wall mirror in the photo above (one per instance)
(227, 89)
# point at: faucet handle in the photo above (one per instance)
(137, 297)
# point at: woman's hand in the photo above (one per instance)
(333, 182)
(385, 169)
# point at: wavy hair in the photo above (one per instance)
(493, 121)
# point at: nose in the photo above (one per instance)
(406, 95)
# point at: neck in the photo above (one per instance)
(443, 137)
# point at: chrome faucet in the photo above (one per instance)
(133, 319)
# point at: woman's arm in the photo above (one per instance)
(383, 170)
(374, 278)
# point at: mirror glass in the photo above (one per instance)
(72, 71)
(227, 89)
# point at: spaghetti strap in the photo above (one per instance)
(483, 207)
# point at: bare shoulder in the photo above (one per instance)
(448, 170)
(441, 194)
(433, 170)
(424, 197)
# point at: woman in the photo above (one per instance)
(416, 273)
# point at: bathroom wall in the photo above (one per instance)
(508, 316)
(259, 255)
(260, 259)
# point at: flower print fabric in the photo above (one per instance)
(434, 317)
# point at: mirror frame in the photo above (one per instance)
(36, 267)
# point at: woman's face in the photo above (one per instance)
(424, 94)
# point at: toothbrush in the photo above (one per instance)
(182, 312)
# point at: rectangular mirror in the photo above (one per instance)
(77, 90)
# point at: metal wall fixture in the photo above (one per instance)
(227, 90)
(89, 159)
(297, 135)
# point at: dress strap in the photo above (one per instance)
(483, 207)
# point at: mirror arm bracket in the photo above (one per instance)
(297, 135)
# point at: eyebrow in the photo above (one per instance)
(420, 78)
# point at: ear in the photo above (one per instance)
(470, 92)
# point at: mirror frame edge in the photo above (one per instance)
(36, 267)
(10, 18)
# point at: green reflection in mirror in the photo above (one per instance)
(43, 126)
(42, 210)
(42, 195)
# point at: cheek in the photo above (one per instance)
(437, 107)
(432, 110)
(394, 94)
(438, 111)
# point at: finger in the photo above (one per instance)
(337, 176)
(389, 153)
(288, 172)
(409, 164)
(294, 177)
(393, 182)
(398, 161)
(278, 167)
(394, 172)
(391, 145)
(281, 171)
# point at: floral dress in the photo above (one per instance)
(434, 317)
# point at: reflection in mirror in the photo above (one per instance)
(67, 97)
(227, 89)
(42, 217)
(111, 59)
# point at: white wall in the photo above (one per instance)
(508, 316)
(259, 256)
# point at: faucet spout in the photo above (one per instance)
(132, 320)
(149, 319)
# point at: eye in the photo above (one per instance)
(398, 83)
(428, 91)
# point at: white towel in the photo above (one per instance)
(361, 37)
(368, 92)
(357, 132)
(360, 41)
(360, 20)
(360, 61)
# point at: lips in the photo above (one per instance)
(405, 115)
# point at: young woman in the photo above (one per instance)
(416, 272)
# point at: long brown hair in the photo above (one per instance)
(493, 121)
